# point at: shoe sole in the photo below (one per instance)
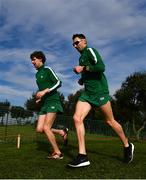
(80, 165)
(66, 130)
(54, 158)
(132, 152)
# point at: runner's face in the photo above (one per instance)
(79, 44)
(36, 62)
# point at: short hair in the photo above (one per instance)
(81, 36)
(39, 55)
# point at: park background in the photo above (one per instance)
(117, 29)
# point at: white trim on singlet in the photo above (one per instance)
(58, 81)
(93, 53)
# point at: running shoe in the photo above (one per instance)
(65, 137)
(80, 161)
(55, 155)
(128, 153)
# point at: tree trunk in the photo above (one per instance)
(138, 132)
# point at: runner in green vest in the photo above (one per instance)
(95, 95)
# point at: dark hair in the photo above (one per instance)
(39, 55)
(81, 36)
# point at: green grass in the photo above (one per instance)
(105, 155)
(10, 133)
(27, 130)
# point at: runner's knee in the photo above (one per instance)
(110, 122)
(46, 128)
(77, 119)
(39, 129)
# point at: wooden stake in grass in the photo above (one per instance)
(18, 141)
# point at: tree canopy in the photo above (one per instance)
(131, 101)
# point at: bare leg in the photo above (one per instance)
(58, 131)
(109, 118)
(40, 123)
(63, 133)
(49, 120)
(82, 109)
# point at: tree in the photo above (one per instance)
(69, 105)
(131, 102)
(31, 105)
(19, 112)
(4, 109)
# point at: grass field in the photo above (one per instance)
(105, 155)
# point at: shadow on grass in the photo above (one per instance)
(66, 150)
(43, 146)
(107, 154)
(69, 151)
